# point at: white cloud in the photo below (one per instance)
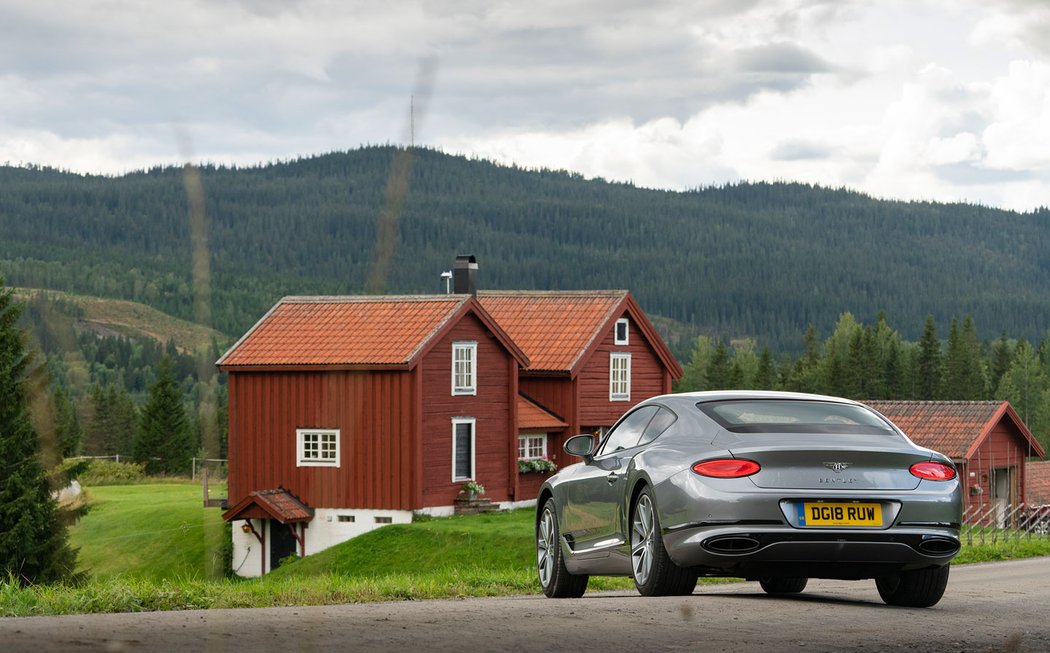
(942, 99)
(1018, 137)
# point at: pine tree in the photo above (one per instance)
(1002, 355)
(164, 441)
(67, 423)
(695, 372)
(34, 544)
(928, 363)
(718, 368)
(766, 375)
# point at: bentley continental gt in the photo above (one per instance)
(773, 487)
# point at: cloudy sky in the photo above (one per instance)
(916, 99)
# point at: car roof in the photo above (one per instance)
(728, 395)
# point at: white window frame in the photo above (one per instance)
(523, 444)
(619, 388)
(626, 324)
(456, 421)
(471, 362)
(301, 436)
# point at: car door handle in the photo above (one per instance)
(612, 478)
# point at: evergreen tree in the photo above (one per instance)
(694, 375)
(164, 440)
(34, 545)
(974, 378)
(766, 374)
(125, 420)
(718, 368)
(1024, 383)
(928, 363)
(67, 423)
(111, 424)
(953, 384)
(804, 375)
(1002, 355)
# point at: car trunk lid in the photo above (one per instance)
(830, 462)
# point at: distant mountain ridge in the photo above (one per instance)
(758, 260)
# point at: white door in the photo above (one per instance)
(1000, 495)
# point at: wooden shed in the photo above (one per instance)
(987, 440)
(365, 409)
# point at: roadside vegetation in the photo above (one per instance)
(152, 546)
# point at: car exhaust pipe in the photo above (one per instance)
(732, 544)
(939, 546)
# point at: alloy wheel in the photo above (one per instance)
(545, 548)
(642, 534)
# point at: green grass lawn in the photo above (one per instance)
(151, 531)
(155, 547)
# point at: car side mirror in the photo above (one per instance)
(581, 446)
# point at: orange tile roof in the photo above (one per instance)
(352, 330)
(1038, 491)
(950, 427)
(280, 504)
(553, 328)
(533, 416)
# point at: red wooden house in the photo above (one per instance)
(987, 440)
(347, 413)
(593, 355)
(352, 412)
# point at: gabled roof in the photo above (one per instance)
(954, 428)
(533, 416)
(279, 504)
(1038, 491)
(354, 332)
(558, 330)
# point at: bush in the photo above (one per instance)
(105, 472)
(527, 465)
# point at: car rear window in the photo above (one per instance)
(793, 416)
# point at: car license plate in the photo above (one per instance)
(820, 513)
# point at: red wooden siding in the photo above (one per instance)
(1001, 449)
(374, 412)
(529, 484)
(556, 394)
(492, 408)
(647, 379)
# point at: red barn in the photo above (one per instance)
(988, 442)
(352, 412)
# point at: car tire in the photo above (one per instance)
(783, 585)
(919, 588)
(555, 579)
(655, 574)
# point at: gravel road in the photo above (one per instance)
(987, 608)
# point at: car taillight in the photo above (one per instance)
(726, 468)
(932, 471)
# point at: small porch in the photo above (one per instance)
(275, 522)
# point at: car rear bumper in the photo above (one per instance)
(765, 551)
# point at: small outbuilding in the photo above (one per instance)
(987, 440)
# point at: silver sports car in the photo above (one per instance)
(770, 486)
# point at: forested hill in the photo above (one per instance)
(760, 260)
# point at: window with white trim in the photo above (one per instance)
(317, 447)
(464, 368)
(532, 446)
(463, 448)
(620, 337)
(619, 376)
